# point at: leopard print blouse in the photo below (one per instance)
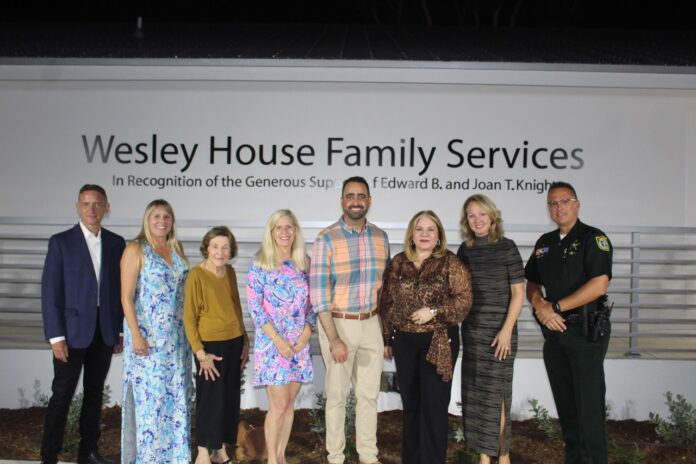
(443, 283)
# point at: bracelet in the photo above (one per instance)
(433, 311)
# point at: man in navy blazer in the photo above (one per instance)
(83, 320)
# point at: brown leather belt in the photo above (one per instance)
(353, 316)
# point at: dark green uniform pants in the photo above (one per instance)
(575, 368)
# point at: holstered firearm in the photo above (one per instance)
(596, 325)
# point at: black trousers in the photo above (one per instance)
(425, 397)
(218, 401)
(575, 367)
(96, 360)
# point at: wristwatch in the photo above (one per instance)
(433, 311)
(556, 307)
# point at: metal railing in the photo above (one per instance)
(653, 286)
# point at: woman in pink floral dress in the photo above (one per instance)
(278, 301)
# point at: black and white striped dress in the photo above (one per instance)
(487, 382)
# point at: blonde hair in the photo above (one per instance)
(146, 236)
(268, 258)
(496, 231)
(410, 248)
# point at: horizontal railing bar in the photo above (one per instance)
(659, 350)
(20, 311)
(616, 275)
(18, 252)
(622, 334)
(658, 306)
(20, 323)
(18, 280)
(14, 295)
(642, 320)
(657, 246)
(652, 291)
(676, 262)
(21, 266)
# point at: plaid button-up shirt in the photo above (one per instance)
(347, 268)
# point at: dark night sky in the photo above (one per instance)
(605, 14)
(663, 33)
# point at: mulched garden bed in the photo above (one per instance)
(21, 430)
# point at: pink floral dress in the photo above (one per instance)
(279, 297)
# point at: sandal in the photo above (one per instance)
(228, 461)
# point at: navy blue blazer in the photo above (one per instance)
(69, 289)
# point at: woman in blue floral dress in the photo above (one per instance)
(156, 356)
(278, 301)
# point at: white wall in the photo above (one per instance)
(635, 387)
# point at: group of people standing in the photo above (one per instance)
(422, 296)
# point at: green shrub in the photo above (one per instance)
(72, 426)
(40, 398)
(543, 421)
(466, 456)
(71, 439)
(458, 433)
(680, 427)
(318, 420)
(317, 417)
(626, 456)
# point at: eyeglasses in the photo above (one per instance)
(564, 202)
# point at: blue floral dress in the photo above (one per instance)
(157, 388)
(280, 297)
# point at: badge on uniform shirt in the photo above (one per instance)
(539, 252)
(572, 249)
(602, 242)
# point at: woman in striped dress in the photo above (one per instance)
(489, 334)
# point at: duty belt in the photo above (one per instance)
(576, 318)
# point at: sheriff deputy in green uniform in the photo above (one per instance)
(568, 276)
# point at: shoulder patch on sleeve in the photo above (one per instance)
(602, 243)
(541, 251)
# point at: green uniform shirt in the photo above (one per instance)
(563, 266)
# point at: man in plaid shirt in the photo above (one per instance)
(348, 260)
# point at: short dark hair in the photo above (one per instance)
(93, 188)
(562, 185)
(218, 231)
(359, 180)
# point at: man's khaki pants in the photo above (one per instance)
(363, 369)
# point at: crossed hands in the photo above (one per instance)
(548, 318)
